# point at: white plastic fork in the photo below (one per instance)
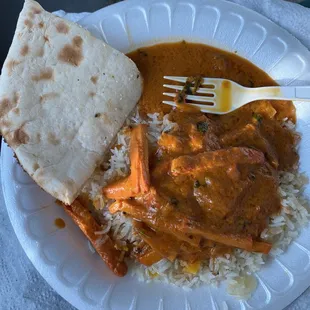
(221, 96)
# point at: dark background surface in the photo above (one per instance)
(11, 8)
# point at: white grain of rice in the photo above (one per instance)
(105, 229)
(101, 240)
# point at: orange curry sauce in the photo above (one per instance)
(212, 177)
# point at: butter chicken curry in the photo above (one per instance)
(211, 183)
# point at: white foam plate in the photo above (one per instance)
(62, 256)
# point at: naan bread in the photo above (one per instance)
(63, 97)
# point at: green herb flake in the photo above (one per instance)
(196, 184)
(202, 127)
(257, 117)
(252, 176)
(142, 233)
(174, 201)
(142, 53)
(198, 80)
(97, 115)
(188, 90)
(180, 98)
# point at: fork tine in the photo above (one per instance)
(176, 87)
(172, 103)
(199, 90)
(176, 78)
(194, 98)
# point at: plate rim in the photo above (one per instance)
(61, 289)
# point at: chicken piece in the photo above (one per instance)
(191, 142)
(170, 247)
(172, 143)
(250, 136)
(160, 169)
(138, 181)
(264, 108)
(276, 109)
(220, 195)
(150, 211)
(260, 200)
(102, 243)
(192, 255)
(179, 226)
(195, 133)
(238, 202)
(262, 247)
(215, 159)
(237, 241)
(149, 257)
(122, 189)
(165, 245)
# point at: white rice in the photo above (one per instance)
(237, 269)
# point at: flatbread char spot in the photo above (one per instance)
(28, 23)
(16, 98)
(45, 74)
(16, 111)
(5, 106)
(40, 52)
(94, 79)
(19, 137)
(106, 119)
(24, 51)
(35, 166)
(48, 96)
(72, 54)
(61, 27)
(11, 65)
(51, 138)
(5, 124)
(36, 10)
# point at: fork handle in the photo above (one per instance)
(301, 93)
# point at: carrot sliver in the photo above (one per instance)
(139, 157)
(150, 258)
(139, 180)
(103, 244)
(122, 189)
(261, 247)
